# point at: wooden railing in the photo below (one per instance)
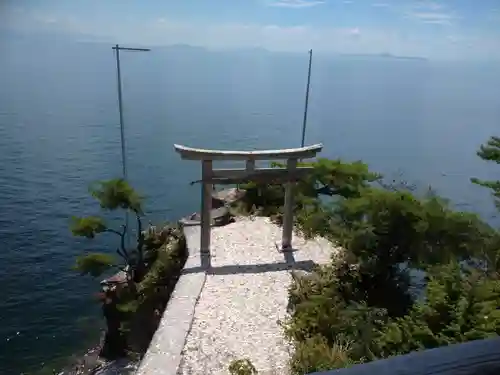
(481, 357)
(210, 176)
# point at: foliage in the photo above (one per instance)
(460, 305)
(111, 195)
(316, 354)
(242, 367)
(329, 332)
(335, 177)
(490, 152)
(387, 233)
(168, 265)
(132, 309)
(94, 264)
(87, 226)
(328, 319)
(329, 180)
(367, 304)
(141, 304)
(117, 193)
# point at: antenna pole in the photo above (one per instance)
(117, 48)
(304, 123)
(120, 110)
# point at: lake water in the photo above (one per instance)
(59, 132)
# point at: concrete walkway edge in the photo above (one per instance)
(165, 351)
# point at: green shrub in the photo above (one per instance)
(328, 178)
(143, 305)
(242, 367)
(490, 152)
(460, 305)
(324, 307)
(363, 306)
(316, 354)
(366, 298)
(112, 195)
(388, 233)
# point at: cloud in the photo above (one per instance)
(437, 18)
(432, 12)
(380, 5)
(429, 5)
(357, 38)
(354, 32)
(452, 39)
(296, 3)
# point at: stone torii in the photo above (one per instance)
(211, 176)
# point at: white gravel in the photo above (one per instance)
(244, 296)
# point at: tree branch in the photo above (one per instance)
(108, 230)
(140, 238)
(122, 242)
(124, 256)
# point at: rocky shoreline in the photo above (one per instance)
(91, 363)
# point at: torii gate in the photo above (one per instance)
(210, 176)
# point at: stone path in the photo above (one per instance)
(243, 298)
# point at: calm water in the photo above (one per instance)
(59, 132)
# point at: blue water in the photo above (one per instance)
(59, 132)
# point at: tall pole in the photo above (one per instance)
(117, 48)
(120, 110)
(304, 123)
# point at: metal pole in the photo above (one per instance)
(304, 123)
(122, 130)
(120, 109)
(122, 127)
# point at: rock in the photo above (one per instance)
(299, 274)
(114, 345)
(227, 197)
(119, 367)
(118, 278)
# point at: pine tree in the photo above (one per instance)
(112, 195)
(490, 152)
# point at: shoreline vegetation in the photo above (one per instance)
(139, 280)
(363, 306)
(366, 304)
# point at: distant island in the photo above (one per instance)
(385, 56)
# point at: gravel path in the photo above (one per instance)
(244, 296)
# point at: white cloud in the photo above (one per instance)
(432, 12)
(354, 32)
(296, 3)
(429, 5)
(437, 18)
(380, 5)
(298, 38)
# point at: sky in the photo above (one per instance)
(435, 29)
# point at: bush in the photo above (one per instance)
(364, 302)
(460, 305)
(363, 306)
(323, 306)
(328, 178)
(242, 367)
(316, 354)
(142, 308)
